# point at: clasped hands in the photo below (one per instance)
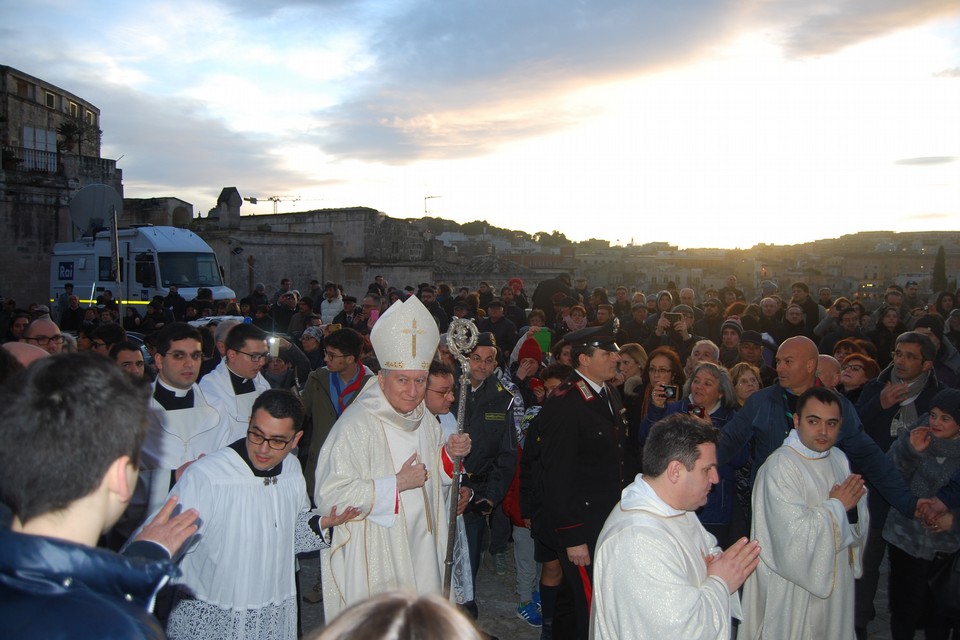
(413, 473)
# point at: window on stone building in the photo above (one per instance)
(23, 89)
(51, 100)
(90, 118)
(74, 109)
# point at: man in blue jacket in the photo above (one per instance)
(71, 428)
(767, 418)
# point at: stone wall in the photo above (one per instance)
(160, 212)
(33, 217)
(301, 257)
(347, 246)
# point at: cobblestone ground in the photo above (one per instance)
(498, 617)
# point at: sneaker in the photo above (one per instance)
(535, 599)
(500, 563)
(528, 611)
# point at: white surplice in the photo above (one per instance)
(650, 574)
(810, 554)
(383, 549)
(239, 568)
(234, 410)
(175, 438)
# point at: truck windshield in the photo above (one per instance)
(189, 269)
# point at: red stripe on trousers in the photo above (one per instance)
(587, 587)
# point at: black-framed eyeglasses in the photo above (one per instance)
(254, 357)
(45, 340)
(856, 368)
(277, 444)
(489, 361)
(96, 344)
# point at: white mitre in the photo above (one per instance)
(405, 337)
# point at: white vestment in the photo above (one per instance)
(382, 550)
(239, 568)
(175, 438)
(234, 410)
(809, 552)
(650, 574)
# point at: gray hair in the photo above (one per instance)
(723, 379)
(716, 349)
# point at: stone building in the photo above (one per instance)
(349, 246)
(50, 145)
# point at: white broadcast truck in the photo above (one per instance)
(151, 259)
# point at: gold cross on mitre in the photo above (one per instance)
(414, 332)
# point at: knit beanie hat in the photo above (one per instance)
(530, 349)
(933, 323)
(948, 400)
(732, 322)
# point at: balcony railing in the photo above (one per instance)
(21, 159)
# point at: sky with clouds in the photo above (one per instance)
(702, 123)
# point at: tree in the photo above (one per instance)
(939, 281)
(76, 132)
(555, 239)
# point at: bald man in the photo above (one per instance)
(767, 418)
(828, 371)
(25, 353)
(44, 333)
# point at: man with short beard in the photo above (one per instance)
(513, 313)
(428, 295)
(709, 326)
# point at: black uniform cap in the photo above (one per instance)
(601, 337)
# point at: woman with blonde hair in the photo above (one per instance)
(629, 381)
(746, 380)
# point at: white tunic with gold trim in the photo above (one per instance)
(383, 550)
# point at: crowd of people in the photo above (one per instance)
(652, 458)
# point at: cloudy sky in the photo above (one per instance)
(699, 122)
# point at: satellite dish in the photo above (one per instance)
(92, 208)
